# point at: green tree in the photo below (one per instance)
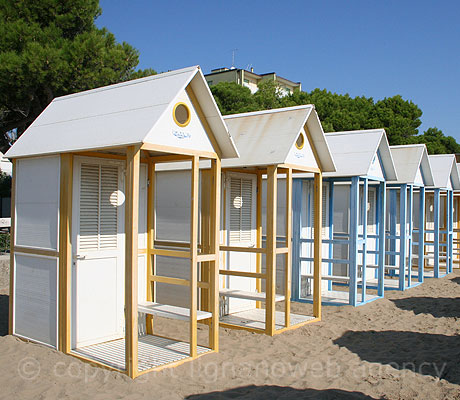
(437, 143)
(50, 48)
(233, 98)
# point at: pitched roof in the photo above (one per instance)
(445, 170)
(354, 152)
(268, 137)
(408, 159)
(118, 115)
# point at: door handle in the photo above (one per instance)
(78, 257)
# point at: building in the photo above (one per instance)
(250, 79)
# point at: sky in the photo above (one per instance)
(372, 48)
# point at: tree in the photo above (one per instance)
(400, 118)
(437, 143)
(233, 98)
(50, 48)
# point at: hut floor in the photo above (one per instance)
(255, 318)
(154, 351)
(339, 297)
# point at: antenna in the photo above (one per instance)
(233, 58)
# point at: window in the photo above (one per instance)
(241, 198)
(99, 200)
(300, 142)
(181, 114)
(209, 83)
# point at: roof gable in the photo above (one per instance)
(117, 115)
(269, 137)
(412, 164)
(445, 171)
(356, 153)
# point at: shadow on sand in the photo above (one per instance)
(456, 279)
(279, 392)
(422, 353)
(4, 307)
(436, 306)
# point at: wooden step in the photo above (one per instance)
(241, 294)
(168, 311)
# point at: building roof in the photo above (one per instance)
(269, 137)
(355, 153)
(409, 160)
(445, 171)
(119, 115)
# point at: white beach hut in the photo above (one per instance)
(405, 218)
(256, 218)
(353, 220)
(83, 220)
(439, 215)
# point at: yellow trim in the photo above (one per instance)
(258, 250)
(12, 233)
(177, 151)
(189, 114)
(243, 274)
(35, 251)
(302, 143)
(131, 259)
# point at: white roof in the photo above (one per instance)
(269, 137)
(445, 171)
(355, 151)
(119, 115)
(409, 159)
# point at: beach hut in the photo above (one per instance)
(456, 227)
(439, 215)
(405, 217)
(353, 220)
(256, 218)
(84, 220)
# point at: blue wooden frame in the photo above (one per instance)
(405, 237)
(353, 239)
(438, 244)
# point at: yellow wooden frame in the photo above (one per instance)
(271, 250)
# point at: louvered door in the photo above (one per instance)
(241, 197)
(98, 276)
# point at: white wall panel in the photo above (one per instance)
(37, 202)
(35, 303)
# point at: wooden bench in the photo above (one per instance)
(241, 294)
(172, 312)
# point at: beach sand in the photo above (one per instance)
(404, 346)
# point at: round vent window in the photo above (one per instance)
(181, 114)
(300, 142)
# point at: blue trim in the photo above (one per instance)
(436, 232)
(353, 248)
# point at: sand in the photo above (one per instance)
(404, 346)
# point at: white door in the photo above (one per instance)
(241, 202)
(98, 251)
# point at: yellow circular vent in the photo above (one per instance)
(181, 114)
(300, 142)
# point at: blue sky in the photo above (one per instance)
(375, 48)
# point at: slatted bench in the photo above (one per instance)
(241, 294)
(171, 312)
(333, 278)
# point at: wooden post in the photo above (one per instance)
(364, 254)
(65, 251)
(206, 177)
(353, 247)
(272, 173)
(193, 255)
(259, 235)
(318, 254)
(12, 234)
(288, 255)
(214, 249)
(381, 254)
(131, 255)
(151, 267)
(410, 201)
(421, 235)
(402, 236)
(436, 209)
